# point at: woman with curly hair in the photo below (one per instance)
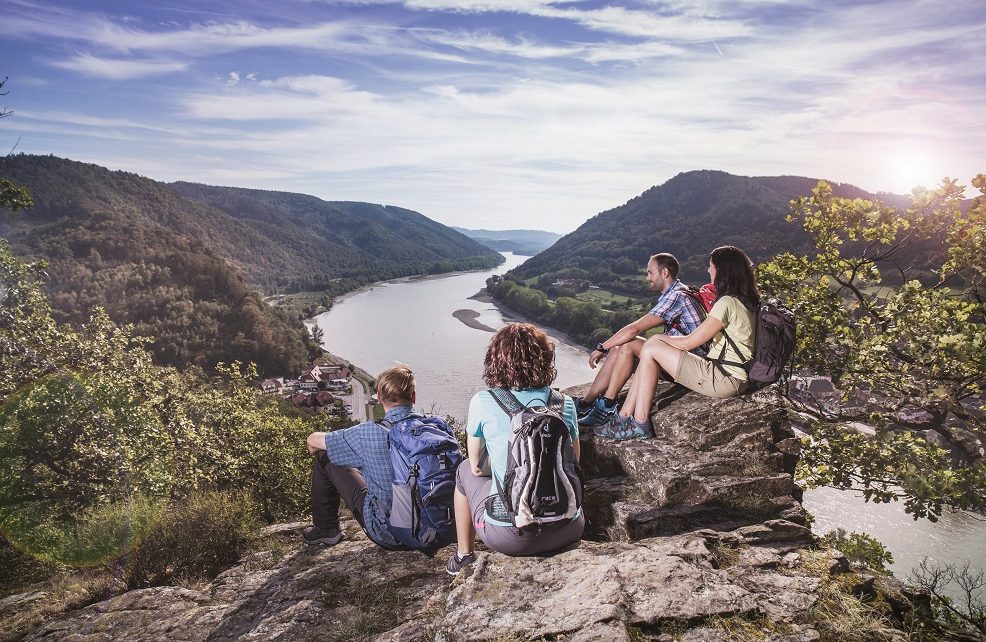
(521, 359)
(731, 324)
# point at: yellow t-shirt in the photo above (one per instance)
(740, 322)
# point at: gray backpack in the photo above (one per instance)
(542, 483)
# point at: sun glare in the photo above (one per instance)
(911, 167)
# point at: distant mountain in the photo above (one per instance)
(522, 242)
(689, 215)
(186, 270)
(319, 242)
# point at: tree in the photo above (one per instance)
(12, 197)
(920, 344)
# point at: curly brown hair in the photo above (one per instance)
(520, 355)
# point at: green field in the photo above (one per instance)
(299, 302)
(605, 298)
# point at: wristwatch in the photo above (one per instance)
(600, 348)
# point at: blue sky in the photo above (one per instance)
(497, 114)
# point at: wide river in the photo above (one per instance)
(410, 321)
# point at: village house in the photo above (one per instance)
(331, 377)
(272, 386)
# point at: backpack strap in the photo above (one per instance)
(556, 401)
(507, 401)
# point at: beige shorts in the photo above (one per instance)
(702, 375)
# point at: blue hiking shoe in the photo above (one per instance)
(630, 428)
(611, 424)
(598, 414)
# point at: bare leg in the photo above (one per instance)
(465, 532)
(655, 356)
(623, 367)
(615, 371)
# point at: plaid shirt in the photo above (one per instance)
(365, 446)
(679, 311)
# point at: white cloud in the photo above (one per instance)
(513, 126)
(118, 69)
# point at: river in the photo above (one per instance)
(410, 321)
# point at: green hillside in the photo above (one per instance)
(190, 275)
(322, 242)
(688, 216)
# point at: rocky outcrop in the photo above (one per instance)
(717, 463)
(596, 591)
(698, 536)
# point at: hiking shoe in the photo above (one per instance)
(611, 424)
(455, 564)
(581, 407)
(598, 414)
(323, 536)
(630, 428)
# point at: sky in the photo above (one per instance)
(499, 113)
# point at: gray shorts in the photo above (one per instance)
(701, 375)
(508, 539)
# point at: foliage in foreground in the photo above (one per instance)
(922, 344)
(87, 421)
(967, 610)
(859, 548)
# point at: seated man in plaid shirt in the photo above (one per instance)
(678, 312)
(354, 464)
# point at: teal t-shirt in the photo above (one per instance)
(488, 421)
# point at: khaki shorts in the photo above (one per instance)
(701, 375)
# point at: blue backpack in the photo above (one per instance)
(424, 454)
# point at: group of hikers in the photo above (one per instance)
(519, 487)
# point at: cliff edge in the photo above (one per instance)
(696, 537)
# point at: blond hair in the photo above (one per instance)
(396, 385)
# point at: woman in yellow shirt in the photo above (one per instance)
(719, 374)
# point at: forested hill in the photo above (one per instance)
(189, 275)
(688, 216)
(329, 240)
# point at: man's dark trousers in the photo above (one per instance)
(329, 484)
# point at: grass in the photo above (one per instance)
(753, 628)
(723, 555)
(604, 297)
(840, 616)
(364, 609)
(125, 545)
(301, 304)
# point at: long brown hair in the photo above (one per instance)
(520, 355)
(735, 276)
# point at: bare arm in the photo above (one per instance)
(475, 449)
(627, 333)
(703, 333)
(577, 449)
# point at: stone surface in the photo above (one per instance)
(726, 463)
(698, 536)
(593, 592)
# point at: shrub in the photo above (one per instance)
(195, 540)
(859, 548)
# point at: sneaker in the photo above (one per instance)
(581, 407)
(598, 414)
(325, 536)
(630, 428)
(455, 564)
(606, 429)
